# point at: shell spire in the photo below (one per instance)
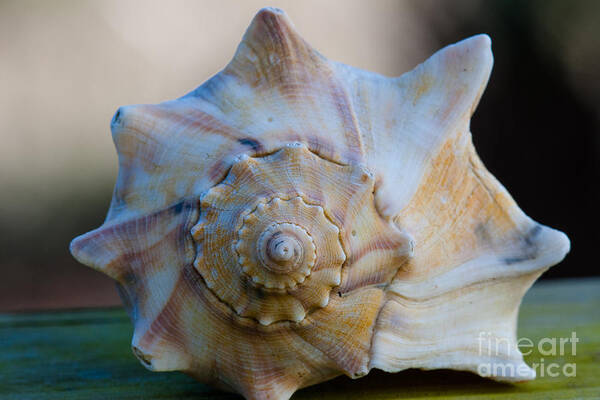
(293, 219)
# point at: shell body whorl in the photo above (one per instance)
(294, 219)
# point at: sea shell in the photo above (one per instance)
(294, 219)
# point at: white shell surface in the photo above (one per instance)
(435, 252)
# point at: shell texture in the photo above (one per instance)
(294, 219)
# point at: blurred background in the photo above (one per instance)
(65, 67)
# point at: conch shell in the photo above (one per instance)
(294, 219)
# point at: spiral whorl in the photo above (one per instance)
(283, 248)
(275, 246)
(271, 238)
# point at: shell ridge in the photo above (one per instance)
(271, 42)
(374, 327)
(403, 325)
(353, 363)
(127, 134)
(449, 82)
(255, 330)
(346, 110)
(115, 230)
(155, 336)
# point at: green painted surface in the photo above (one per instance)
(85, 355)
